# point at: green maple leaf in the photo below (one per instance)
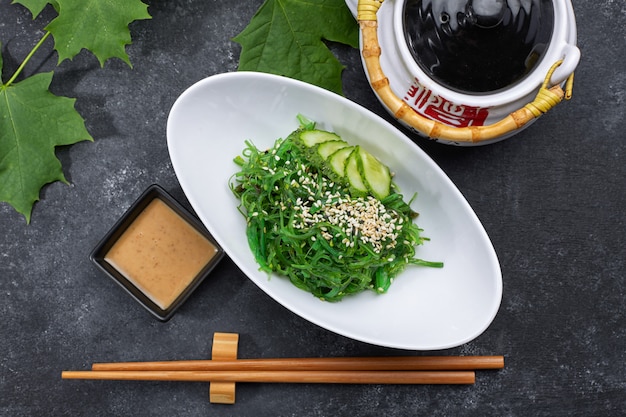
(286, 37)
(101, 26)
(33, 122)
(35, 6)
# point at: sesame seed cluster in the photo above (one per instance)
(364, 218)
(322, 202)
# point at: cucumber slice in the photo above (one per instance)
(311, 138)
(325, 149)
(375, 174)
(352, 172)
(337, 161)
(342, 162)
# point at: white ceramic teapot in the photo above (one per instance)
(468, 72)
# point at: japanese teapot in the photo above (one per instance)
(468, 72)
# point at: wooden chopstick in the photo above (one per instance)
(395, 363)
(311, 377)
(340, 370)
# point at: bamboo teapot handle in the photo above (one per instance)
(546, 98)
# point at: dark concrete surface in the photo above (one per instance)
(552, 200)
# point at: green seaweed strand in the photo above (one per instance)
(314, 258)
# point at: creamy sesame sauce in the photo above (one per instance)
(160, 253)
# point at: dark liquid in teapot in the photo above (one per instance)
(478, 46)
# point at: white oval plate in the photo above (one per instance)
(425, 308)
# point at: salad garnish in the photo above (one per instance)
(325, 214)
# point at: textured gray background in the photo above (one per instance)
(552, 200)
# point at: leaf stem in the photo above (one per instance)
(28, 57)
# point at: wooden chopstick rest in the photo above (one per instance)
(224, 348)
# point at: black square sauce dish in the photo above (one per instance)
(158, 252)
